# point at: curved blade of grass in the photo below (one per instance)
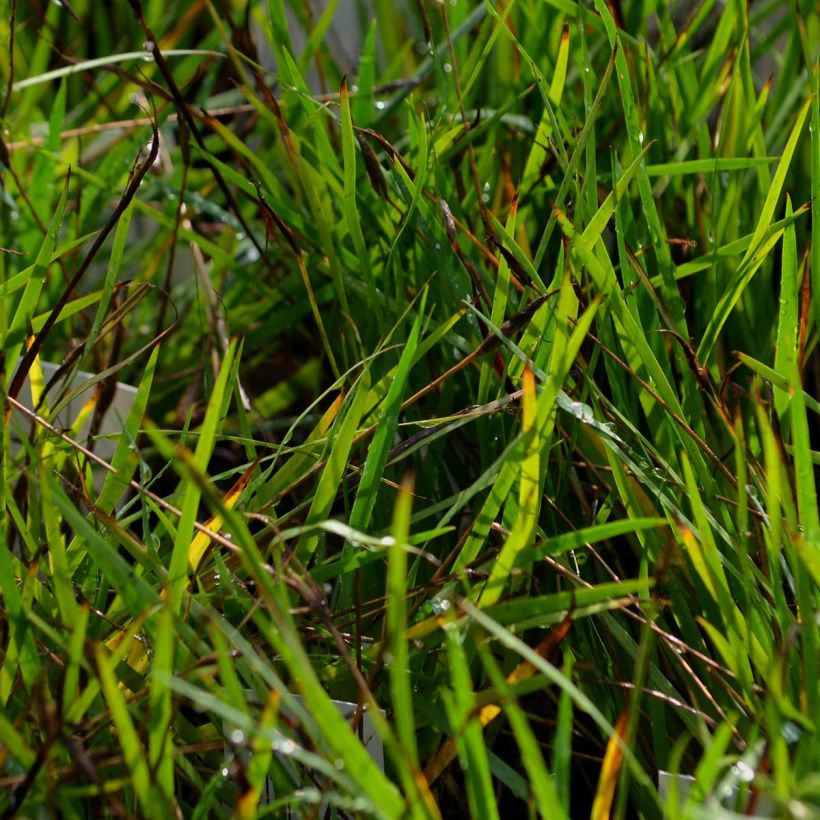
(21, 653)
(109, 59)
(128, 738)
(610, 768)
(202, 540)
(632, 119)
(708, 165)
(757, 247)
(539, 151)
(383, 439)
(581, 701)
(341, 741)
(160, 732)
(592, 232)
(401, 689)
(351, 211)
(808, 541)
(364, 106)
(300, 462)
(562, 740)
(815, 201)
(788, 321)
(542, 610)
(24, 312)
(777, 379)
(559, 544)
(214, 415)
(528, 496)
(137, 593)
(58, 562)
(540, 780)
(467, 731)
(76, 654)
(343, 433)
(396, 625)
(500, 296)
(123, 460)
(540, 418)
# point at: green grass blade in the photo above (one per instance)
(758, 246)
(344, 431)
(467, 731)
(24, 312)
(128, 738)
(215, 413)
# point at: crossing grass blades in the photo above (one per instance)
(475, 354)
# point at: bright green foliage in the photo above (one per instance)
(475, 355)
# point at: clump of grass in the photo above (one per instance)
(476, 363)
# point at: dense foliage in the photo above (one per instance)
(475, 350)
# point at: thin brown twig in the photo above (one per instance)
(137, 176)
(134, 485)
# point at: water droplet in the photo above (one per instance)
(447, 68)
(486, 186)
(380, 105)
(440, 605)
(147, 46)
(225, 771)
(237, 736)
(388, 658)
(791, 732)
(287, 747)
(743, 772)
(240, 236)
(583, 412)
(339, 763)
(640, 137)
(354, 89)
